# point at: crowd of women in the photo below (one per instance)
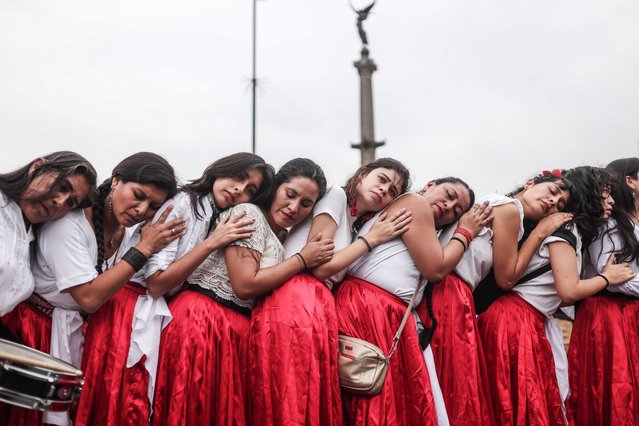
(220, 301)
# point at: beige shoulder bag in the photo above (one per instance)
(362, 365)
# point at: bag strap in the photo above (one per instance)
(561, 233)
(406, 315)
(426, 334)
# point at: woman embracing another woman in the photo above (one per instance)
(124, 335)
(604, 345)
(456, 346)
(372, 301)
(293, 358)
(203, 370)
(526, 361)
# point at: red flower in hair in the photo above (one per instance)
(556, 172)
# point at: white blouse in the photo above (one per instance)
(213, 274)
(540, 291)
(476, 263)
(389, 266)
(334, 204)
(602, 248)
(16, 281)
(66, 257)
(196, 230)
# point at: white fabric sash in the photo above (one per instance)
(67, 340)
(556, 339)
(150, 317)
(438, 397)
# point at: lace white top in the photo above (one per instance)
(16, 281)
(213, 274)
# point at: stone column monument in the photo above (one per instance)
(366, 67)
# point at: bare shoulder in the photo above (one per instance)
(505, 211)
(412, 202)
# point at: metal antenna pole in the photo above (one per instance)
(254, 78)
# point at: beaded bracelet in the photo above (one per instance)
(460, 242)
(605, 279)
(370, 248)
(135, 258)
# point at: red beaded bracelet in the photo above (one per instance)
(465, 233)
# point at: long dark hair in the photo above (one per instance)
(300, 167)
(585, 201)
(142, 168)
(232, 166)
(386, 163)
(61, 163)
(624, 207)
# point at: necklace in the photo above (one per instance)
(116, 238)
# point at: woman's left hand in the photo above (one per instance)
(476, 218)
(318, 251)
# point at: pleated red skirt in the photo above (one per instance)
(458, 353)
(113, 394)
(520, 364)
(202, 371)
(370, 313)
(34, 330)
(293, 376)
(604, 362)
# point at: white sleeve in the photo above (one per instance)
(332, 203)
(161, 260)
(600, 251)
(257, 240)
(65, 248)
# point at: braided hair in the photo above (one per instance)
(143, 168)
(98, 220)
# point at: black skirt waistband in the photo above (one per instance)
(622, 296)
(228, 303)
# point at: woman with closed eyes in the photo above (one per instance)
(456, 347)
(299, 385)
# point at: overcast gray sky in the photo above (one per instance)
(492, 91)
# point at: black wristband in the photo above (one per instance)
(606, 279)
(460, 242)
(370, 248)
(300, 257)
(135, 258)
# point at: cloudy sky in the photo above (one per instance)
(492, 91)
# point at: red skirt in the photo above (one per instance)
(520, 364)
(604, 362)
(370, 313)
(293, 356)
(113, 394)
(34, 330)
(202, 371)
(458, 353)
